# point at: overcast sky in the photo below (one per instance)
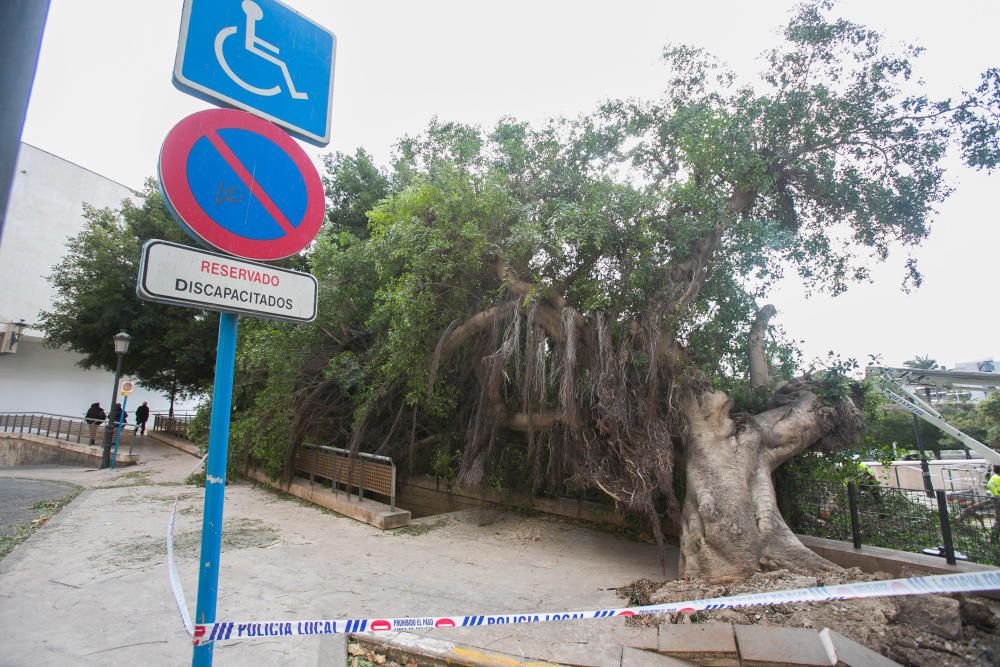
(103, 99)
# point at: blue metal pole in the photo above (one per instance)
(215, 482)
(118, 436)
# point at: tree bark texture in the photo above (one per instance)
(760, 374)
(731, 525)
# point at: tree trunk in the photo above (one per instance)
(173, 395)
(730, 523)
(760, 373)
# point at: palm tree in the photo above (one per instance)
(923, 363)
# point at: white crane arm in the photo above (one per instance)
(887, 386)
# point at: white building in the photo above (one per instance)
(45, 209)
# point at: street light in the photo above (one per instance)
(121, 342)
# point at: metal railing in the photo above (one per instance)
(176, 425)
(59, 427)
(363, 472)
(958, 526)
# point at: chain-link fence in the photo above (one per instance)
(957, 526)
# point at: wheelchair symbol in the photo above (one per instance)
(256, 46)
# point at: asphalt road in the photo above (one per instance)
(19, 496)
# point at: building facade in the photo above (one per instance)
(44, 211)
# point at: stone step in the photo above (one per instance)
(726, 645)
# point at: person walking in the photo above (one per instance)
(95, 417)
(141, 417)
(117, 416)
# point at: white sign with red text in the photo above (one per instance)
(183, 276)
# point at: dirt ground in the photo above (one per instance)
(924, 630)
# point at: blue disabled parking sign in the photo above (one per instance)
(260, 56)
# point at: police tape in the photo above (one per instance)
(205, 633)
(175, 580)
(944, 583)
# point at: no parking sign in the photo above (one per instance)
(239, 184)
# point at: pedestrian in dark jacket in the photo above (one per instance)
(141, 417)
(117, 415)
(95, 417)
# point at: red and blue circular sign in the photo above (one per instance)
(239, 184)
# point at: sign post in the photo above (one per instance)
(215, 483)
(237, 184)
(128, 386)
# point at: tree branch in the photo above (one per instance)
(760, 374)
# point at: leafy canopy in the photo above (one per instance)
(671, 216)
(172, 349)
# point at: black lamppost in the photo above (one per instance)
(121, 340)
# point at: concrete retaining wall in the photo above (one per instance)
(426, 496)
(365, 510)
(25, 449)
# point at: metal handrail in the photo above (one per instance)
(347, 452)
(167, 424)
(44, 414)
(363, 456)
(22, 422)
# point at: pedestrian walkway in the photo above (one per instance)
(91, 587)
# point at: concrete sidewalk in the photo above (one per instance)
(91, 587)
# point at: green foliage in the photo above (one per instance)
(977, 117)
(900, 519)
(830, 467)
(172, 349)
(196, 479)
(833, 381)
(924, 362)
(444, 463)
(671, 217)
(893, 428)
(354, 186)
(197, 428)
(980, 420)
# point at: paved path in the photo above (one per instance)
(91, 587)
(18, 498)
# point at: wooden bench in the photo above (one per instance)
(377, 475)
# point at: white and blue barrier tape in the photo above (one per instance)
(942, 583)
(203, 633)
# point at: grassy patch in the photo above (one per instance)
(20, 532)
(417, 529)
(236, 534)
(360, 656)
(196, 478)
(133, 478)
